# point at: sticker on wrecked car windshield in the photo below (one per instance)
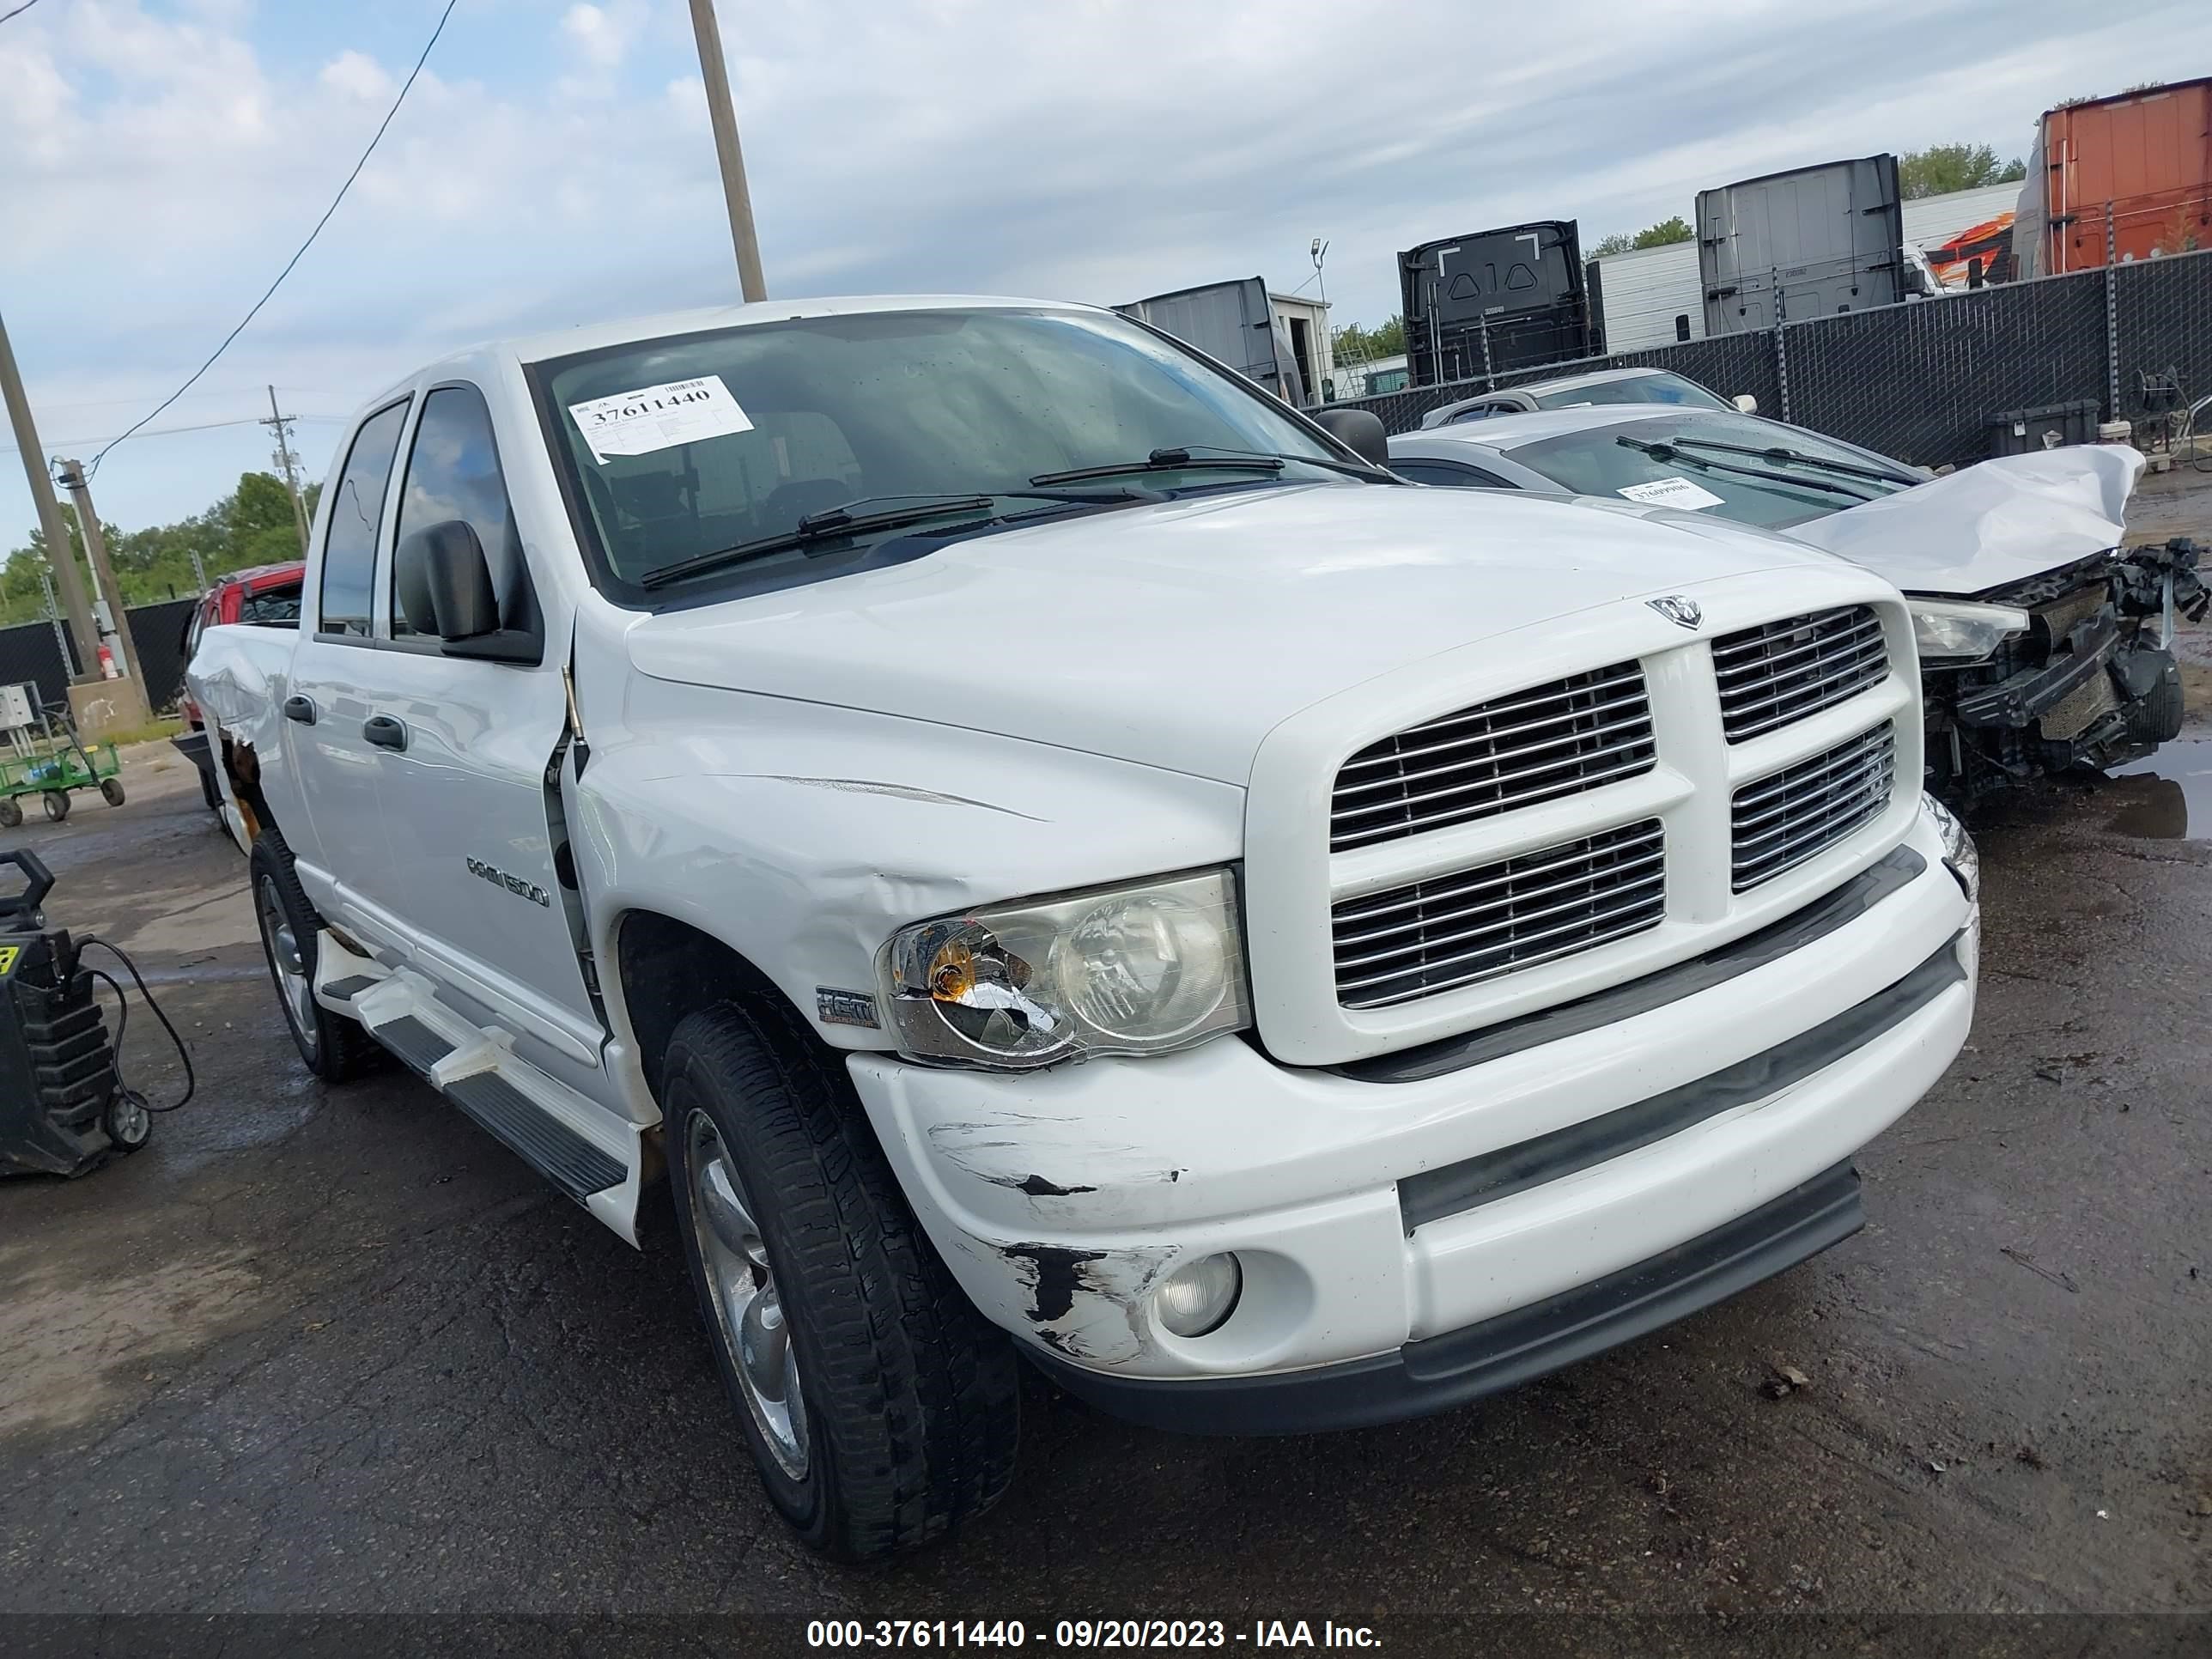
(659, 417)
(1671, 492)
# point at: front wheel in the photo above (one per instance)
(57, 803)
(111, 790)
(11, 813)
(882, 1410)
(334, 1046)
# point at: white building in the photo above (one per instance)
(1653, 295)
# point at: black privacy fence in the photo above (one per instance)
(32, 651)
(1924, 380)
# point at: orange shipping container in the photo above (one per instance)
(2145, 159)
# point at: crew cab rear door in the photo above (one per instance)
(462, 748)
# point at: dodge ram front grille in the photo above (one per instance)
(1779, 821)
(1783, 670)
(1450, 930)
(1555, 739)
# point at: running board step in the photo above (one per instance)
(413, 1042)
(554, 1151)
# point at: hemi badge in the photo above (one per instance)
(845, 1007)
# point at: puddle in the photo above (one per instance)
(2166, 796)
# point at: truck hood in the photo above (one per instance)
(1990, 525)
(1179, 634)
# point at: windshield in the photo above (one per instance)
(1634, 389)
(1720, 481)
(684, 446)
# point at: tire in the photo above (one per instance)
(111, 790)
(910, 1407)
(334, 1046)
(57, 802)
(128, 1123)
(2157, 718)
(11, 813)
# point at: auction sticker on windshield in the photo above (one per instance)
(659, 417)
(1671, 492)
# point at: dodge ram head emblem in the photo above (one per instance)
(1676, 609)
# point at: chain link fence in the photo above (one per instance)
(1924, 381)
(32, 651)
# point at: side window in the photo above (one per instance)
(452, 472)
(349, 548)
(1454, 474)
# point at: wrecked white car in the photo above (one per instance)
(1052, 854)
(2044, 645)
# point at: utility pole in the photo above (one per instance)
(58, 554)
(285, 460)
(716, 74)
(95, 546)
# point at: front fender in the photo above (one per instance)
(802, 836)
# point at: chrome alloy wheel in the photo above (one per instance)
(748, 1310)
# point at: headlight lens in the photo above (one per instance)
(1130, 970)
(1952, 633)
(1958, 849)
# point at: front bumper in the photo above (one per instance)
(194, 747)
(1439, 1372)
(1388, 1215)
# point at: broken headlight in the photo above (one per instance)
(1128, 970)
(1959, 850)
(1952, 634)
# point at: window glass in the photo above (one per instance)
(1455, 473)
(452, 472)
(900, 403)
(1750, 470)
(277, 605)
(1636, 389)
(349, 547)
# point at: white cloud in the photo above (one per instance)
(356, 75)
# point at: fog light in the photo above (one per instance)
(1199, 1296)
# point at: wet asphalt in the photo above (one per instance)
(336, 1351)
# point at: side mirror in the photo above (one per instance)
(1745, 403)
(443, 583)
(1357, 430)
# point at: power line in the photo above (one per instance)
(373, 142)
(19, 11)
(198, 426)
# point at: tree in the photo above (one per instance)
(252, 525)
(1357, 344)
(1940, 169)
(1667, 232)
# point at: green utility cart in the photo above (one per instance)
(49, 761)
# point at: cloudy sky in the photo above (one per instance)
(161, 159)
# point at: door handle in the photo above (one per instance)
(385, 731)
(301, 709)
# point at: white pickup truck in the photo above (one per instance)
(1054, 855)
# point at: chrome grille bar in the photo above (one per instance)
(1784, 670)
(1558, 738)
(1778, 821)
(1451, 931)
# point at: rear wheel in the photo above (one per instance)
(334, 1046)
(11, 813)
(882, 1410)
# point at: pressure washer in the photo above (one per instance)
(65, 1106)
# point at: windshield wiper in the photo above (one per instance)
(1797, 458)
(836, 522)
(1167, 461)
(1182, 458)
(1668, 452)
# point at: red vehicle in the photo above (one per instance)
(267, 595)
